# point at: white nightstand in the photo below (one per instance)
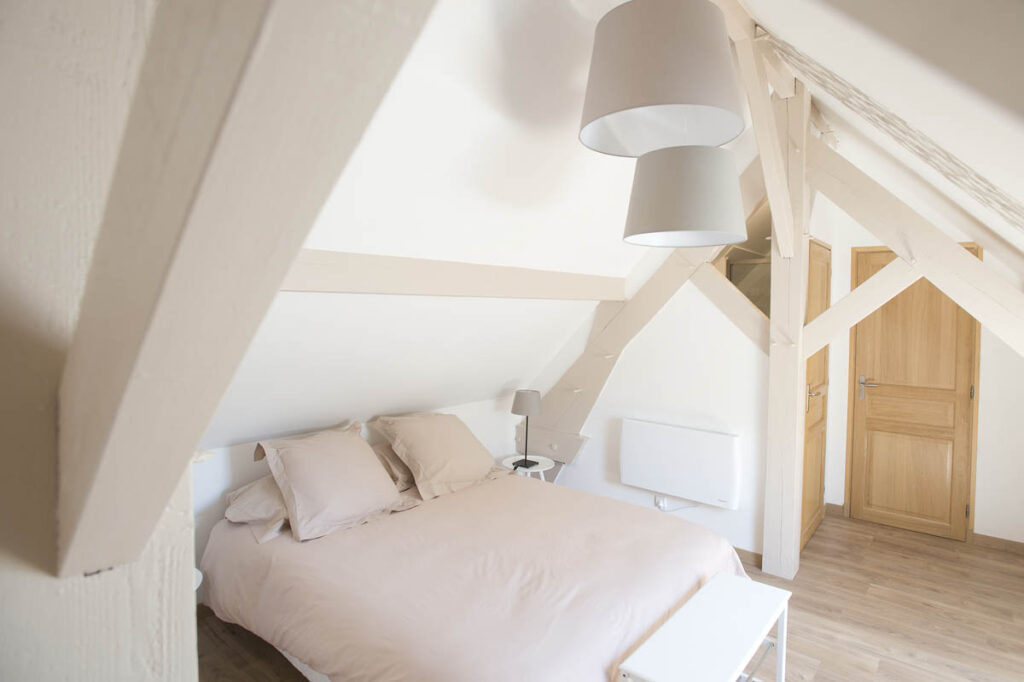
(543, 464)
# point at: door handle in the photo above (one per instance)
(810, 394)
(864, 384)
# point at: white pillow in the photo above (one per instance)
(329, 480)
(439, 449)
(260, 505)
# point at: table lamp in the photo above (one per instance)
(526, 403)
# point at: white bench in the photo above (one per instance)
(714, 635)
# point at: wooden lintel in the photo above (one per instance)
(871, 295)
(359, 273)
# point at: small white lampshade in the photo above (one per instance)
(661, 75)
(526, 403)
(686, 196)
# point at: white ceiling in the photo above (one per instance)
(473, 155)
(951, 69)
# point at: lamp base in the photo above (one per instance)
(524, 463)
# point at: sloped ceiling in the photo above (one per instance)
(319, 359)
(942, 77)
(473, 157)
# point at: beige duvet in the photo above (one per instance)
(513, 579)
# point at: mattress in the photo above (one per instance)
(512, 579)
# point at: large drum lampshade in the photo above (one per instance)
(661, 75)
(686, 196)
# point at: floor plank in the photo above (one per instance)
(870, 603)
(229, 653)
(877, 603)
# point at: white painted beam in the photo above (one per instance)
(780, 76)
(244, 116)
(359, 273)
(738, 21)
(771, 152)
(798, 109)
(876, 291)
(994, 302)
(565, 408)
(787, 371)
(733, 303)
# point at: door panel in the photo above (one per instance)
(912, 417)
(901, 471)
(819, 275)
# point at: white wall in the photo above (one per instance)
(1000, 506)
(321, 358)
(67, 71)
(690, 367)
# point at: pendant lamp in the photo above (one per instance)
(661, 75)
(686, 196)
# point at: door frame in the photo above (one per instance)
(851, 390)
(828, 392)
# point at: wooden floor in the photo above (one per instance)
(869, 603)
(229, 653)
(877, 603)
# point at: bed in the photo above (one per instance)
(511, 579)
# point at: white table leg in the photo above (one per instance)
(541, 474)
(780, 646)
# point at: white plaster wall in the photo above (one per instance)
(318, 358)
(690, 367)
(67, 71)
(1000, 506)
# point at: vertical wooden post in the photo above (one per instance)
(787, 372)
(787, 369)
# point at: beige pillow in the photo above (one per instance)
(440, 451)
(329, 480)
(260, 505)
(395, 467)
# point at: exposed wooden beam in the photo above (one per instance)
(780, 76)
(787, 371)
(875, 292)
(359, 273)
(994, 302)
(787, 368)
(738, 21)
(557, 432)
(733, 303)
(773, 160)
(567, 405)
(244, 116)
(798, 131)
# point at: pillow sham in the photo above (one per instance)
(260, 505)
(393, 464)
(439, 449)
(329, 479)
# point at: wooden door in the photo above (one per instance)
(819, 273)
(913, 363)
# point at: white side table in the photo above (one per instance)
(543, 464)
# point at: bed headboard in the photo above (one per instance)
(692, 464)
